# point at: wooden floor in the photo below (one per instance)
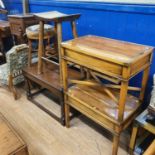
(45, 136)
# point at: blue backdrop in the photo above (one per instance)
(135, 23)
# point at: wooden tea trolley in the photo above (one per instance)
(116, 62)
(47, 72)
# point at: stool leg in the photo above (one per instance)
(30, 52)
(115, 144)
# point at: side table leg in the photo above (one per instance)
(133, 139)
(115, 144)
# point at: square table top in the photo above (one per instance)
(55, 16)
(120, 52)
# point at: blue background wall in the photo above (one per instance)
(135, 23)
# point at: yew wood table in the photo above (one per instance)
(109, 103)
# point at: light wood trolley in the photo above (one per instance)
(109, 103)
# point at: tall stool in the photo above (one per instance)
(32, 33)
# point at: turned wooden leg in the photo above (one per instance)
(115, 144)
(133, 140)
(12, 88)
(30, 53)
(67, 118)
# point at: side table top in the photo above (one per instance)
(120, 52)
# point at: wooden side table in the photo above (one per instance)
(140, 122)
(10, 142)
(109, 104)
(18, 25)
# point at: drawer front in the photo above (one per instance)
(109, 68)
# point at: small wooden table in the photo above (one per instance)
(10, 142)
(108, 104)
(140, 121)
(18, 25)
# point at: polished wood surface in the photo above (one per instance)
(110, 54)
(97, 98)
(140, 122)
(110, 105)
(50, 75)
(108, 49)
(45, 136)
(10, 142)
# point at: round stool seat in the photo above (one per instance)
(32, 32)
